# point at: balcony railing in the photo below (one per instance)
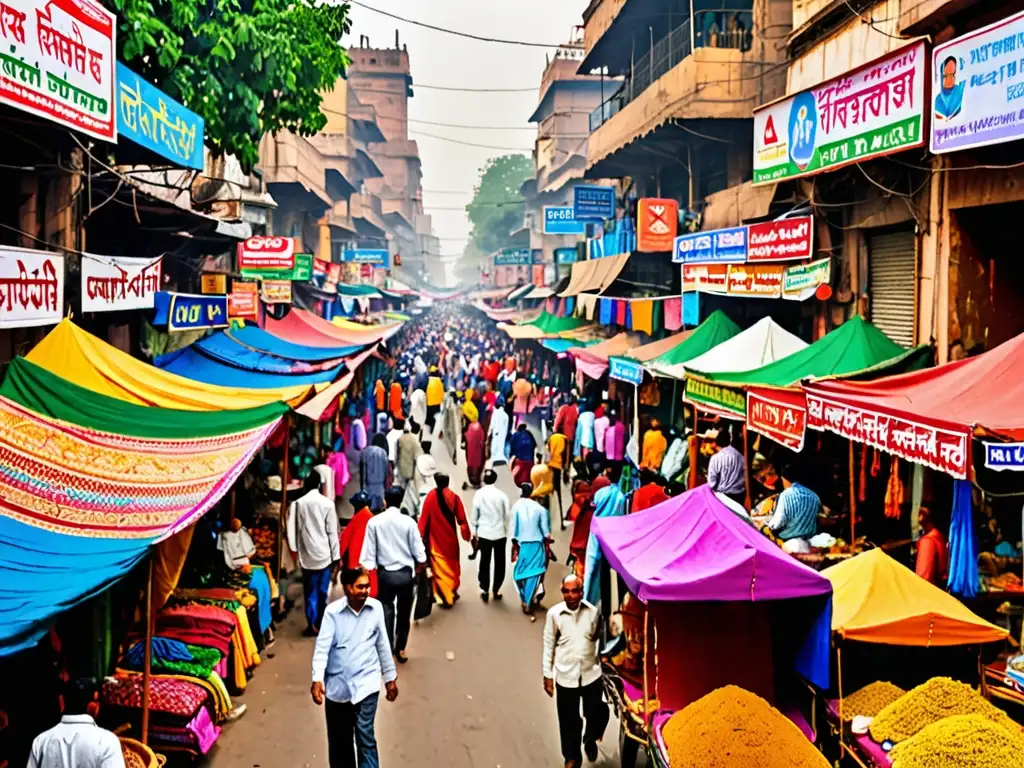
(726, 28)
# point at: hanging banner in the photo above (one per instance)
(657, 222)
(212, 283)
(715, 398)
(1003, 456)
(58, 63)
(513, 257)
(152, 119)
(190, 312)
(783, 240)
(31, 287)
(258, 254)
(780, 414)
(276, 291)
(800, 282)
(366, 256)
(720, 246)
(763, 281)
(114, 283)
(941, 449)
(559, 220)
(625, 369)
(242, 301)
(874, 110)
(593, 203)
(977, 84)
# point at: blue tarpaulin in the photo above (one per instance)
(193, 363)
(261, 341)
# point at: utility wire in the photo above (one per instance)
(523, 150)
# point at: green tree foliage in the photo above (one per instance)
(248, 67)
(492, 214)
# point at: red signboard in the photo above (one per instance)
(709, 278)
(267, 253)
(780, 414)
(242, 300)
(334, 273)
(784, 240)
(657, 224)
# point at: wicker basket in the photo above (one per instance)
(138, 755)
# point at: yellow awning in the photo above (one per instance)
(594, 275)
(73, 354)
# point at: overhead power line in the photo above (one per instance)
(523, 150)
(474, 90)
(455, 32)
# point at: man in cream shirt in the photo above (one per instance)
(489, 522)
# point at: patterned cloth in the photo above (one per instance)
(796, 513)
(169, 695)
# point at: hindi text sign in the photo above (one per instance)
(31, 287)
(114, 283)
(154, 120)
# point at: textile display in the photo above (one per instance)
(194, 363)
(606, 312)
(963, 544)
(166, 694)
(673, 314)
(620, 312)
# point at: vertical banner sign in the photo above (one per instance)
(113, 283)
(784, 240)
(242, 300)
(31, 287)
(262, 253)
(875, 110)
(154, 120)
(593, 203)
(657, 222)
(977, 85)
(57, 62)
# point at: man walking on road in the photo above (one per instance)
(488, 522)
(394, 548)
(351, 659)
(313, 535)
(572, 673)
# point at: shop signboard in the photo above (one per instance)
(370, 256)
(334, 273)
(154, 120)
(560, 220)
(320, 267)
(259, 254)
(801, 281)
(624, 369)
(114, 283)
(719, 246)
(566, 255)
(706, 278)
(242, 300)
(301, 271)
(942, 449)
(513, 257)
(212, 283)
(782, 240)
(593, 203)
(977, 85)
(58, 63)
(874, 110)
(276, 291)
(714, 398)
(1003, 456)
(657, 222)
(31, 287)
(780, 414)
(763, 281)
(190, 312)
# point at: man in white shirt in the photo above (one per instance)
(571, 668)
(351, 659)
(313, 537)
(394, 548)
(397, 430)
(488, 522)
(76, 741)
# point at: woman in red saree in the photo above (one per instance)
(395, 401)
(351, 537)
(581, 525)
(442, 518)
(475, 440)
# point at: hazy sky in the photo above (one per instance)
(441, 59)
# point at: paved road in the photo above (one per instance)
(485, 708)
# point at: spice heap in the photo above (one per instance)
(870, 700)
(929, 702)
(733, 728)
(964, 741)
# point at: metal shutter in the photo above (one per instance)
(892, 261)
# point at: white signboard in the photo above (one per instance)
(111, 283)
(31, 287)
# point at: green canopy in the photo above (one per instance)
(45, 393)
(855, 347)
(712, 332)
(553, 325)
(367, 291)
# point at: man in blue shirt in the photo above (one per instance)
(351, 658)
(796, 512)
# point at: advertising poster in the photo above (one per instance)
(657, 222)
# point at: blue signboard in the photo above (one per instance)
(719, 246)
(624, 369)
(593, 202)
(376, 256)
(189, 311)
(1000, 456)
(559, 220)
(513, 257)
(566, 255)
(154, 120)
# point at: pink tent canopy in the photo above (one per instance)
(593, 361)
(692, 547)
(302, 327)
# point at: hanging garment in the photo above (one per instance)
(620, 312)
(643, 316)
(606, 318)
(673, 314)
(894, 492)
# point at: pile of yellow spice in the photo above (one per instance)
(963, 741)
(870, 700)
(733, 728)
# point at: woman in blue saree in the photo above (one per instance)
(531, 542)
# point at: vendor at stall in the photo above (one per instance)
(796, 512)
(932, 550)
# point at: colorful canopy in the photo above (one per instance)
(195, 363)
(74, 355)
(546, 326)
(877, 600)
(658, 348)
(259, 340)
(709, 334)
(593, 360)
(762, 343)
(560, 346)
(302, 327)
